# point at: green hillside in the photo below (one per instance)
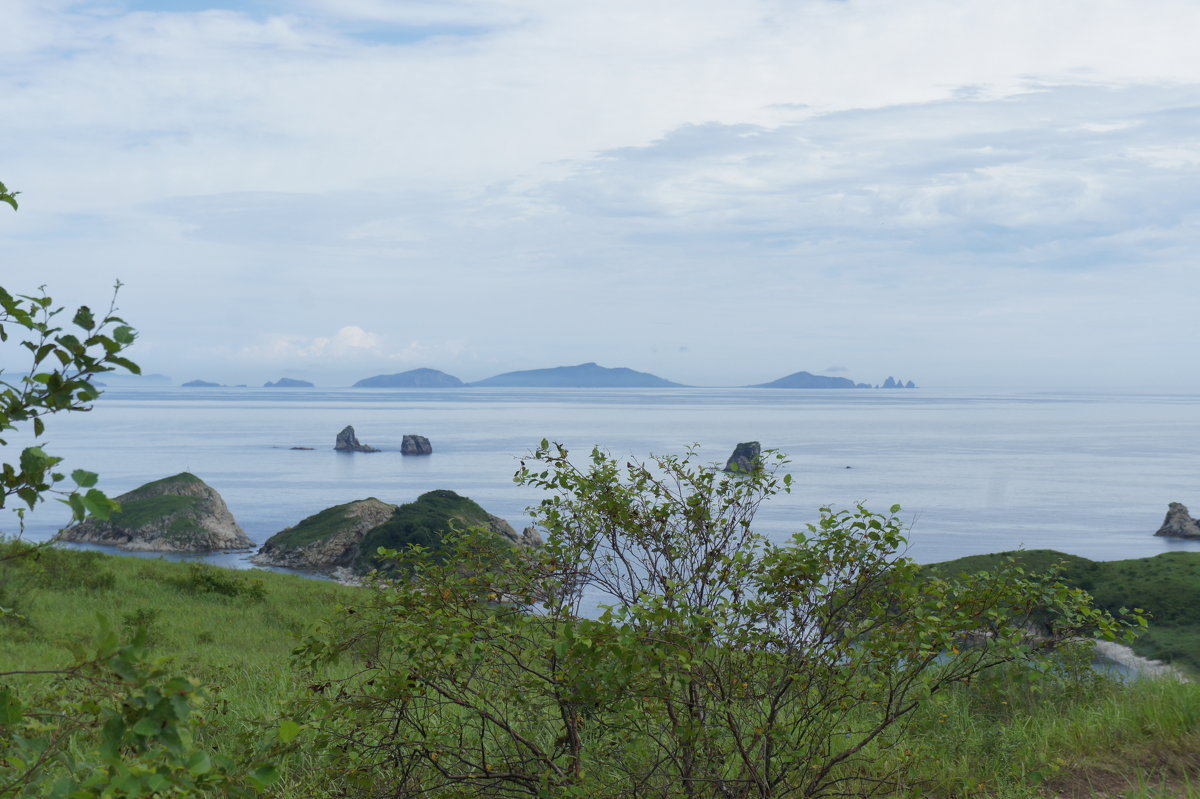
(1167, 586)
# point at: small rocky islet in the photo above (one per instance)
(180, 513)
(346, 538)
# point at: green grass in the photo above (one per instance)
(1167, 586)
(139, 512)
(174, 481)
(316, 527)
(227, 627)
(1010, 734)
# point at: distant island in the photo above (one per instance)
(809, 380)
(585, 375)
(413, 378)
(200, 384)
(287, 382)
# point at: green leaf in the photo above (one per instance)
(84, 318)
(84, 479)
(263, 776)
(288, 730)
(97, 503)
(200, 763)
(125, 362)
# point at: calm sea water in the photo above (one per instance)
(1085, 473)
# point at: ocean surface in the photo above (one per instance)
(1085, 473)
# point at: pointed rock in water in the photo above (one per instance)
(176, 514)
(415, 445)
(746, 458)
(348, 442)
(1179, 523)
(326, 540)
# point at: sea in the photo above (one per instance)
(1084, 472)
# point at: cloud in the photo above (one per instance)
(350, 341)
(932, 186)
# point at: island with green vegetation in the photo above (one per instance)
(349, 536)
(180, 513)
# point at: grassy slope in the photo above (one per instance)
(232, 629)
(314, 528)
(1001, 736)
(1166, 585)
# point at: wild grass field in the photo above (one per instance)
(1065, 730)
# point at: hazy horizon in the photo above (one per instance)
(956, 192)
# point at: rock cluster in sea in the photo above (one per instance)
(1179, 523)
(347, 442)
(180, 513)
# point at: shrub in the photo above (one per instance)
(204, 578)
(658, 646)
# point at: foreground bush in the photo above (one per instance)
(658, 646)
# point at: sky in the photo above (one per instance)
(964, 193)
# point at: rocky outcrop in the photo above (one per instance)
(1179, 523)
(425, 523)
(327, 540)
(345, 539)
(348, 442)
(415, 445)
(529, 537)
(746, 458)
(176, 514)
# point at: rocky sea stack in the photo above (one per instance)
(349, 536)
(1179, 523)
(346, 441)
(746, 458)
(415, 445)
(176, 514)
